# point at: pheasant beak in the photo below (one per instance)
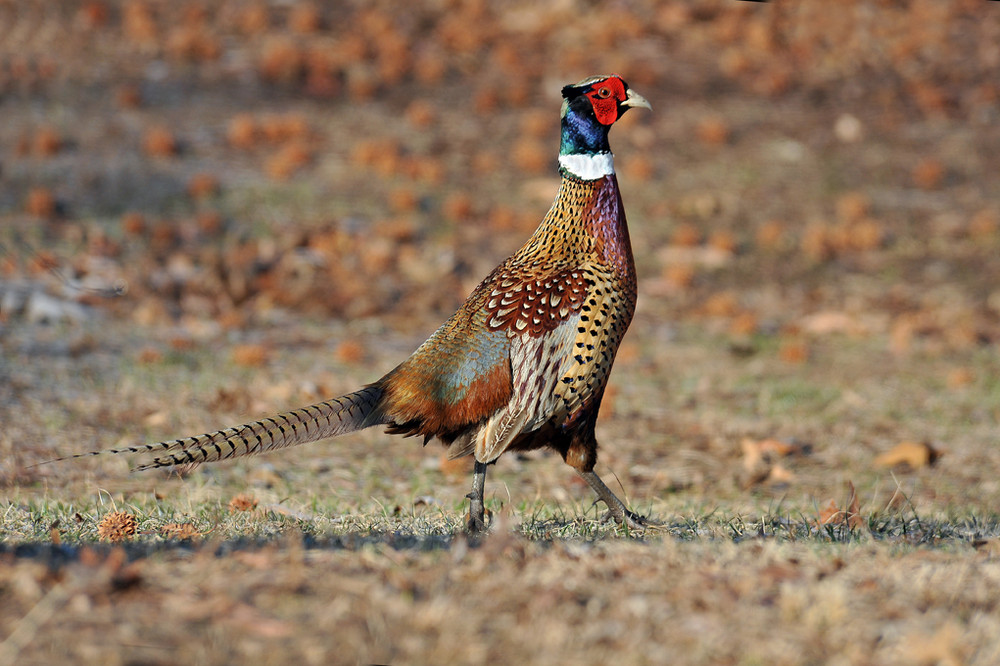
(633, 98)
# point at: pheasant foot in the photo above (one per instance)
(616, 508)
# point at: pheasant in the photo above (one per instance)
(523, 364)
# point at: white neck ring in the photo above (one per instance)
(588, 167)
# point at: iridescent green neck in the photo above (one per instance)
(581, 133)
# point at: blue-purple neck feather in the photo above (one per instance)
(581, 133)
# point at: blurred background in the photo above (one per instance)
(271, 181)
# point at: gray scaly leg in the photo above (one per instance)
(477, 512)
(616, 508)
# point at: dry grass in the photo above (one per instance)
(816, 232)
(353, 550)
(384, 601)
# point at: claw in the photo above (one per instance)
(476, 519)
(630, 519)
(616, 508)
(476, 524)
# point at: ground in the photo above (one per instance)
(213, 211)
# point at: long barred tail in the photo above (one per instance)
(338, 416)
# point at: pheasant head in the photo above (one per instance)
(589, 110)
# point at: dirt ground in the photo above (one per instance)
(213, 211)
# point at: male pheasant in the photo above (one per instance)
(524, 362)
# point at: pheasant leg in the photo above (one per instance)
(616, 508)
(477, 511)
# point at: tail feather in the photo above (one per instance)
(337, 416)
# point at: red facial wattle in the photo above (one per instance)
(605, 97)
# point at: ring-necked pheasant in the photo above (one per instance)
(524, 362)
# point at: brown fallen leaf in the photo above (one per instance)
(350, 351)
(779, 476)
(793, 352)
(156, 419)
(117, 526)
(203, 185)
(854, 519)
(913, 455)
(831, 321)
(744, 325)
(984, 224)
(928, 174)
(754, 453)
(40, 202)
(721, 304)
(781, 447)
(850, 516)
(420, 114)
(128, 96)
(831, 514)
(251, 355)
(853, 206)
(159, 142)
(760, 460)
(242, 131)
(242, 502)
(960, 377)
(678, 276)
(712, 131)
(47, 142)
(723, 240)
(305, 18)
(771, 235)
(686, 235)
(288, 159)
(180, 531)
(149, 355)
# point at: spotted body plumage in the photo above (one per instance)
(524, 363)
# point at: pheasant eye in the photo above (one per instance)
(604, 92)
